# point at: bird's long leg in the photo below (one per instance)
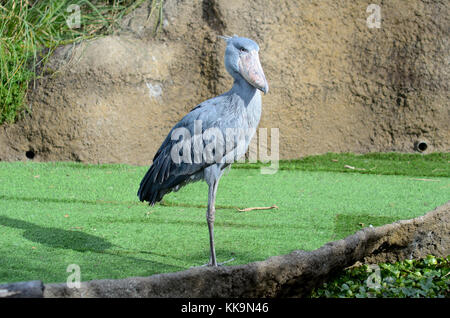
(210, 216)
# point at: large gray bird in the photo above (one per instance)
(212, 135)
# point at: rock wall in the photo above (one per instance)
(335, 84)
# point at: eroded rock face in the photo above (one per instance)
(335, 84)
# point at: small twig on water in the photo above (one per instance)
(353, 168)
(258, 208)
(419, 179)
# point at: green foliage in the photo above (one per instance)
(31, 30)
(14, 78)
(428, 277)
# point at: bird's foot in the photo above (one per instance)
(217, 264)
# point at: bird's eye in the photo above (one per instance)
(243, 50)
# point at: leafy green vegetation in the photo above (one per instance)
(31, 30)
(428, 277)
(56, 214)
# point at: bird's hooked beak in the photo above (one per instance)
(251, 69)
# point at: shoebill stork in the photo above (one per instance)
(201, 134)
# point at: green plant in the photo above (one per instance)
(428, 277)
(15, 77)
(31, 30)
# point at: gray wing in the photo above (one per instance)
(165, 175)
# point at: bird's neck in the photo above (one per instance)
(243, 89)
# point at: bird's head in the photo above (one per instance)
(242, 60)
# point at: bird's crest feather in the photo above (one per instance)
(227, 37)
(224, 37)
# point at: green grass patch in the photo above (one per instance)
(56, 214)
(431, 165)
(31, 30)
(347, 224)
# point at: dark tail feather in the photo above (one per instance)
(163, 177)
(154, 186)
(154, 191)
(148, 189)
